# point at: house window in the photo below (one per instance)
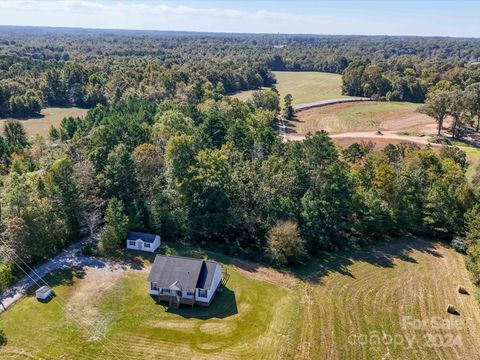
(202, 293)
(189, 293)
(165, 291)
(132, 243)
(147, 245)
(154, 286)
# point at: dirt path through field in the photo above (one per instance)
(384, 137)
(387, 137)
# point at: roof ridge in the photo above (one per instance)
(141, 232)
(180, 257)
(186, 257)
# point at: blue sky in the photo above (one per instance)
(407, 17)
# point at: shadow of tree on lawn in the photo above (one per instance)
(382, 254)
(3, 338)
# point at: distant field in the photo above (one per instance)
(320, 311)
(304, 86)
(50, 116)
(361, 116)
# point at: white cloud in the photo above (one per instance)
(130, 8)
(144, 15)
(313, 17)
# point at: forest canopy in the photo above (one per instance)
(74, 67)
(163, 150)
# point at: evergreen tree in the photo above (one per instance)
(116, 226)
(15, 136)
(288, 108)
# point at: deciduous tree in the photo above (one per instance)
(437, 107)
(285, 245)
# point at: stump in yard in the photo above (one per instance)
(462, 290)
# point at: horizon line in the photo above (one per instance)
(233, 33)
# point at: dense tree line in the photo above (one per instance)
(217, 172)
(62, 67)
(405, 78)
(163, 150)
(462, 105)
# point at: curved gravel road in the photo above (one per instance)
(321, 103)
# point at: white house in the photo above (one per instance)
(43, 293)
(182, 280)
(143, 241)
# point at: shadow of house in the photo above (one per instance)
(223, 306)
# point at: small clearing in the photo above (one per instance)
(49, 116)
(109, 315)
(305, 87)
(362, 116)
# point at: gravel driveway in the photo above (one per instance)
(66, 259)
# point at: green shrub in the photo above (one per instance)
(460, 244)
(6, 276)
(285, 245)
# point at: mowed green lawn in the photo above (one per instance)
(249, 319)
(49, 116)
(305, 87)
(373, 110)
(390, 303)
(321, 311)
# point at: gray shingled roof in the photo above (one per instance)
(133, 235)
(206, 275)
(176, 272)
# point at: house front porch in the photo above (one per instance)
(176, 299)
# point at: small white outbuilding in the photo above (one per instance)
(143, 241)
(43, 293)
